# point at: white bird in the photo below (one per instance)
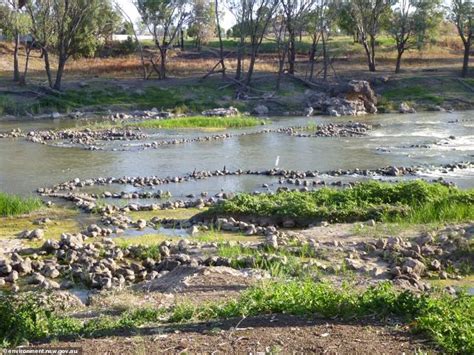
(277, 160)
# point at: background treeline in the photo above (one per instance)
(85, 28)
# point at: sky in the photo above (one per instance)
(127, 5)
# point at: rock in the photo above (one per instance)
(271, 241)
(260, 110)
(56, 115)
(222, 112)
(443, 275)
(370, 223)
(13, 277)
(193, 231)
(405, 108)
(2, 282)
(413, 266)
(435, 265)
(141, 224)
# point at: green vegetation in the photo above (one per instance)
(179, 99)
(448, 320)
(413, 93)
(11, 205)
(411, 202)
(202, 122)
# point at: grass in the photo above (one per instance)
(410, 202)
(202, 122)
(413, 93)
(12, 205)
(447, 320)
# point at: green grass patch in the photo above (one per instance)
(12, 205)
(202, 122)
(449, 321)
(413, 93)
(412, 202)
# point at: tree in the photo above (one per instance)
(295, 12)
(320, 22)
(369, 16)
(164, 19)
(462, 14)
(259, 13)
(412, 23)
(66, 28)
(202, 26)
(14, 24)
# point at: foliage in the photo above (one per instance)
(414, 201)
(11, 205)
(23, 319)
(448, 320)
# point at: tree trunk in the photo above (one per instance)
(312, 56)
(221, 44)
(325, 57)
(399, 61)
(47, 67)
(60, 72)
(253, 58)
(163, 53)
(16, 69)
(240, 50)
(291, 53)
(367, 52)
(465, 64)
(372, 53)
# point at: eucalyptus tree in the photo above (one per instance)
(320, 24)
(369, 16)
(259, 15)
(412, 24)
(462, 15)
(202, 25)
(14, 23)
(66, 28)
(164, 19)
(295, 12)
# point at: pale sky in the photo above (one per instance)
(127, 5)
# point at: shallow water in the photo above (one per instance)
(25, 166)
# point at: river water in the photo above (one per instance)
(395, 140)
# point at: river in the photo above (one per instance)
(427, 139)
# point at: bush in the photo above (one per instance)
(23, 318)
(415, 201)
(447, 320)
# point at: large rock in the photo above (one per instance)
(353, 99)
(260, 110)
(405, 108)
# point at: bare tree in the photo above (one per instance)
(280, 36)
(368, 16)
(164, 19)
(219, 33)
(239, 9)
(295, 12)
(14, 23)
(137, 40)
(462, 14)
(260, 12)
